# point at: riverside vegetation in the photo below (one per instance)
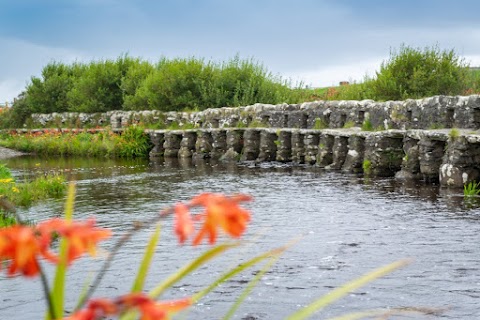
(24, 194)
(132, 142)
(195, 84)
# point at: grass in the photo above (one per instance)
(367, 125)
(349, 124)
(26, 193)
(320, 124)
(471, 189)
(367, 167)
(7, 219)
(258, 124)
(434, 126)
(133, 142)
(454, 133)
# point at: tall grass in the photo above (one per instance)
(26, 193)
(133, 142)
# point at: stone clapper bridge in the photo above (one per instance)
(413, 139)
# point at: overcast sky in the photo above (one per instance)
(319, 42)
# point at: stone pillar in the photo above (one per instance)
(187, 145)
(430, 156)
(234, 145)
(268, 145)
(298, 147)
(284, 147)
(311, 141)
(251, 145)
(219, 144)
(325, 150)
(460, 162)
(116, 122)
(339, 152)
(158, 139)
(203, 146)
(356, 151)
(411, 160)
(172, 143)
(383, 154)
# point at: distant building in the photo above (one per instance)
(344, 83)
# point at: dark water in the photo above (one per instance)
(348, 226)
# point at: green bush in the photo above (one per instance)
(98, 89)
(416, 73)
(134, 84)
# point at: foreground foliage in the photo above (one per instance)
(24, 250)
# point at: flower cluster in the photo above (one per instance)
(221, 212)
(23, 246)
(148, 308)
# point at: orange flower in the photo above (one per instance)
(82, 236)
(149, 309)
(23, 246)
(183, 222)
(220, 212)
(96, 309)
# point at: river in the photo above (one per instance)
(347, 226)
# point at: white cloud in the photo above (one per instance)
(332, 75)
(9, 89)
(21, 60)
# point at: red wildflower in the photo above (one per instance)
(220, 212)
(23, 246)
(82, 236)
(149, 309)
(183, 222)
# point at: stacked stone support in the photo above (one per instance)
(203, 145)
(187, 144)
(411, 160)
(298, 147)
(430, 151)
(268, 146)
(339, 152)
(219, 144)
(284, 147)
(251, 145)
(383, 153)
(311, 142)
(171, 144)
(355, 155)
(325, 150)
(157, 139)
(461, 162)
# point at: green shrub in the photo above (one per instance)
(416, 73)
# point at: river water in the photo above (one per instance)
(347, 226)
